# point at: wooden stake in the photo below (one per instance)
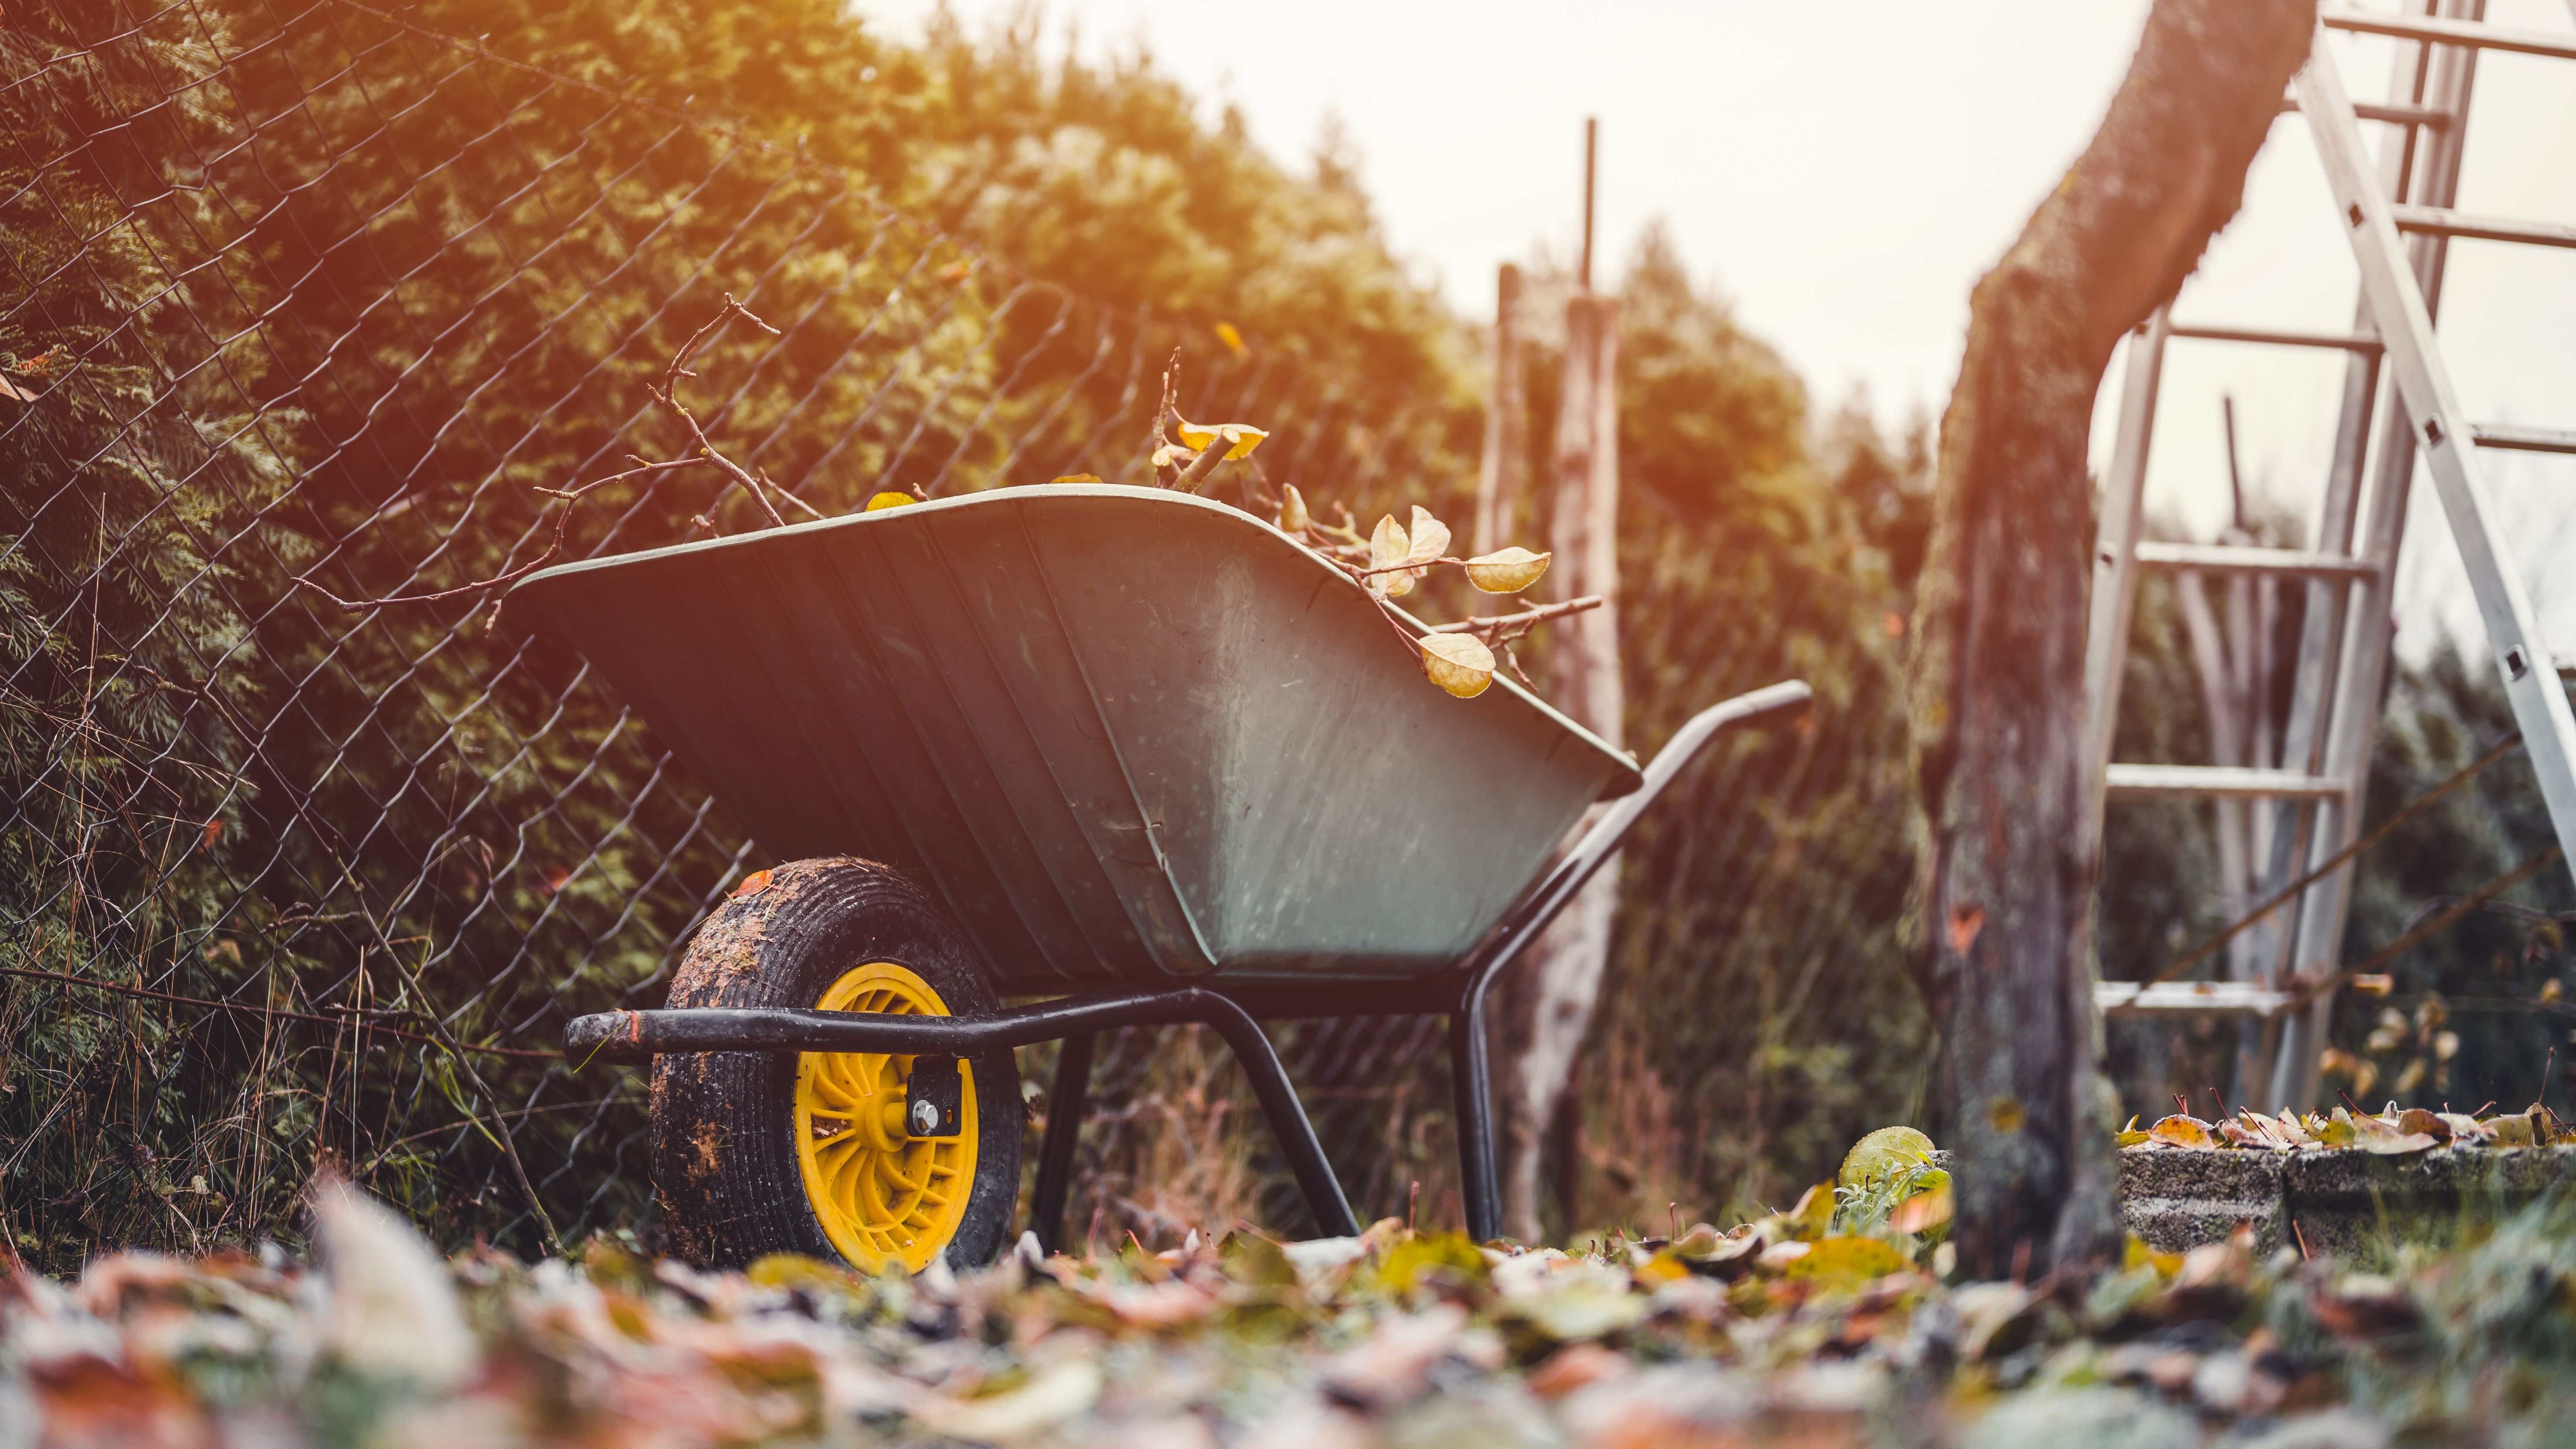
(1500, 478)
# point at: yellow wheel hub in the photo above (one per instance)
(884, 1197)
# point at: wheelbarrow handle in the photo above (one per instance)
(1469, 1064)
(1611, 830)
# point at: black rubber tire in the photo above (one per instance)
(724, 1158)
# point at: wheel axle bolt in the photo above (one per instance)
(925, 1119)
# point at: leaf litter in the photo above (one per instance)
(1825, 1324)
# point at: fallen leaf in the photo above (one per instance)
(2415, 1120)
(752, 885)
(14, 392)
(1846, 1262)
(1458, 663)
(213, 832)
(1507, 570)
(1232, 339)
(1077, 478)
(1392, 1367)
(2182, 1130)
(1585, 1306)
(1575, 1366)
(392, 1307)
(1050, 1396)
(883, 501)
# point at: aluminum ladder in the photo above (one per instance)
(2399, 214)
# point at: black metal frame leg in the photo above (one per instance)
(1066, 1103)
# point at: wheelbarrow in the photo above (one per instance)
(1118, 755)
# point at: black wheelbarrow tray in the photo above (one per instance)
(1130, 751)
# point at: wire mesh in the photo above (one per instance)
(304, 291)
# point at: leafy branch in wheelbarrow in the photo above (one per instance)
(1459, 657)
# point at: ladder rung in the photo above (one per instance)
(2346, 341)
(2219, 557)
(2470, 33)
(2433, 116)
(2442, 221)
(2245, 997)
(2234, 781)
(2524, 440)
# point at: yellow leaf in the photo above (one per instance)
(1813, 1217)
(884, 501)
(1430, 536)
(1387, 546)
(1883, 1154)
(1232, 339)
(2137, 1254)
(1458, 663)
(1241, 439)
(1292, 510)
(2183, 1130)
(1079, 478)
(1846, 1262)
(1507, 570)
(1197, 435)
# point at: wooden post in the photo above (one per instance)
(1501, 478)
(1568, 961)
(2002, 923)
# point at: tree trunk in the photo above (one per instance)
(1562, 979)
(2003, 911)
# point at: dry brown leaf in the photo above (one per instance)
(1458, 663)
(1507, 570)
(1430, 537)
(1387, 548)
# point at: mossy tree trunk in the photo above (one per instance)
(2002, 914)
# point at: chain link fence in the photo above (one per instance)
(305, 292)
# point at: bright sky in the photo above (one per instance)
(1845, 172)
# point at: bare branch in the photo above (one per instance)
(1202, 466)
(1512, 626)
(1165, 416)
